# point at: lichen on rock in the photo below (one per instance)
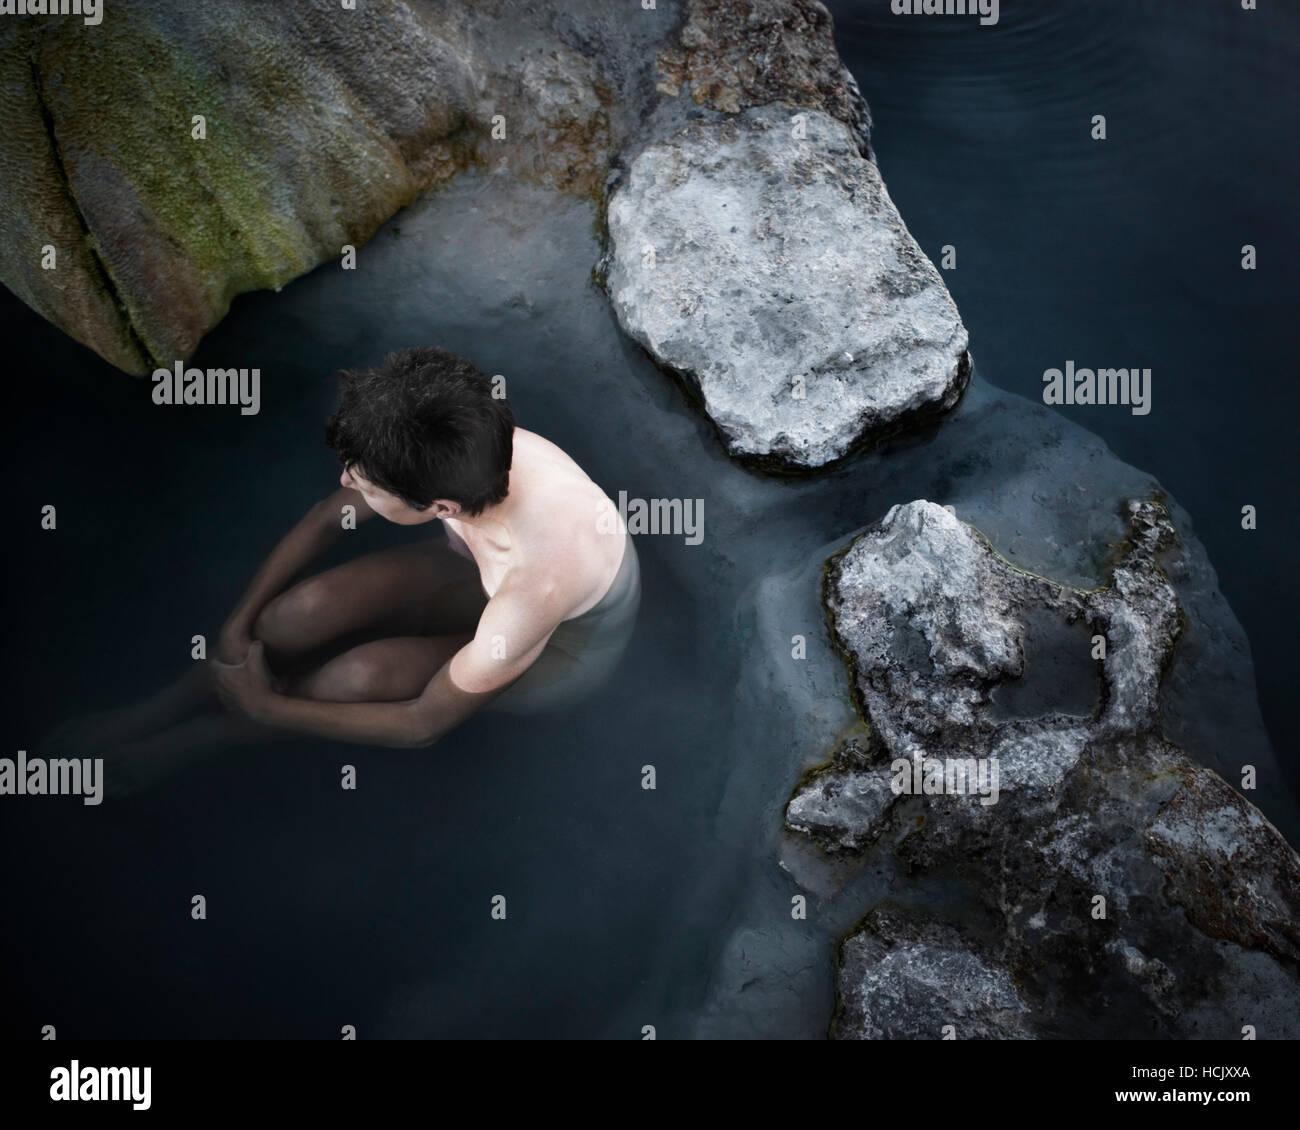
(319, 123)
(734, 54)
(1108, 866)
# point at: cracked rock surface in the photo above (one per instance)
(762, 258)
(1111, 887)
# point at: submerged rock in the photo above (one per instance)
(1099, 864)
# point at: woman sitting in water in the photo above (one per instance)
(527, 604)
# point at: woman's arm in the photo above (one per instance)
(315, 532)
(512, 632)
(416, 722)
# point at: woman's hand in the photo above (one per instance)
(244, 688)
(234, 641)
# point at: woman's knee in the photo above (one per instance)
(383, 671)
(291, 621)
(366, 674)
(363, 677)
(346, 678)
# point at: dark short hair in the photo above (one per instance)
(424, 425)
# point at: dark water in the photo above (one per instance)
(372, 907)
(1126, 251)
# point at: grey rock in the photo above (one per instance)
(901, 981)
(1225, 867)
(1107, 866)
(731, 56)
(844, 808)
(774, 273)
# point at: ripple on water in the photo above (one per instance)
(1038, 75)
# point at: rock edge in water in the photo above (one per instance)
(1107, 868)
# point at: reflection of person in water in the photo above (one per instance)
(526, 605)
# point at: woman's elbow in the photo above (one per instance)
(419, 733)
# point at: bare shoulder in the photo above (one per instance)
(565, 521)
(538, 449)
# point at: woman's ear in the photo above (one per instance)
(445, 508)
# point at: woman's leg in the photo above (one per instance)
(407, 591)
(417, 590)
(380, 671)
(392, 670)
(108, 728)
